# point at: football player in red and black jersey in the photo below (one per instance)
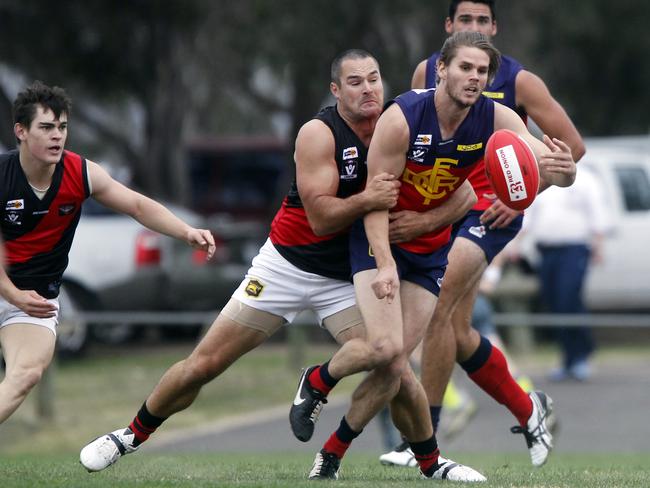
(43, 189)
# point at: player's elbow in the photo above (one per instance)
(320, 229)
(578, 150)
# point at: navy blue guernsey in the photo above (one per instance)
(38, 233)
(291, 233)
(436, 167)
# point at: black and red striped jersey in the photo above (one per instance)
(38, 233)
(291, 233)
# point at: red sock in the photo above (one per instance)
(317, 379)
(426, 454)
(336, 446)
(144, 424)
(495, 379)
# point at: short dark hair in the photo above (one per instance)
(335, 70)
(453, 6)
(38, 93)
(471, 39)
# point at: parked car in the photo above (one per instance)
(118, 265)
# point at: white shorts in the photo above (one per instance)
(9, 314)
(276, 286)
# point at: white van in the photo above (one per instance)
(622, 281)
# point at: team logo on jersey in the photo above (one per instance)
(349, 170)
(13, 218)
(477, 231)
(436, 182)
(66, 209)
(254, 288)
(15, 204)
(469, 147)
(417, 154)
(350, 153)
(497, 95)
(423, 140)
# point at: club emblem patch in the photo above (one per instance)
(254, 288)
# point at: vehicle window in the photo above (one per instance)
(238, 182)
(636, 188)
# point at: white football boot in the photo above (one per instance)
(107, 450)
(400, 456)
(452, 471)
(539, 438)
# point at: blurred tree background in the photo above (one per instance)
(147, 76)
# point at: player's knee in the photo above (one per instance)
(200, 368)
(386, 352)
(24, 379)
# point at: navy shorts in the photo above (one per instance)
(425, 270)
(491, 241)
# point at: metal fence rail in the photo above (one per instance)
(513, 319)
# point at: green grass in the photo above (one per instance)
(284, 470)
(104, 391)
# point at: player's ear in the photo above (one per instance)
(334, 89)
(20, 131)
(441, 70)
(449, 26)
(494, 28)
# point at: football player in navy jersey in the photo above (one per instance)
(433, 139)
(483, 232)
(43, 188)
(304, 264)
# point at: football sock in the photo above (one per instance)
(426, 454)
(321, 380)
(144, 424)
(341, 439)
(488, 368)
(435, 416)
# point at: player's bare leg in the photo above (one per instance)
(28, 350)
(409, 404)
(439, 351)
(225, 342)
(381, 346)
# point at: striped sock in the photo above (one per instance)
(321, 380)
(340, 441)
(426, 454)
(144, 424)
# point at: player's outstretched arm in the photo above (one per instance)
(148, 212)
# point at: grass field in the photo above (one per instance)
(103, 391)
(290, 470)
